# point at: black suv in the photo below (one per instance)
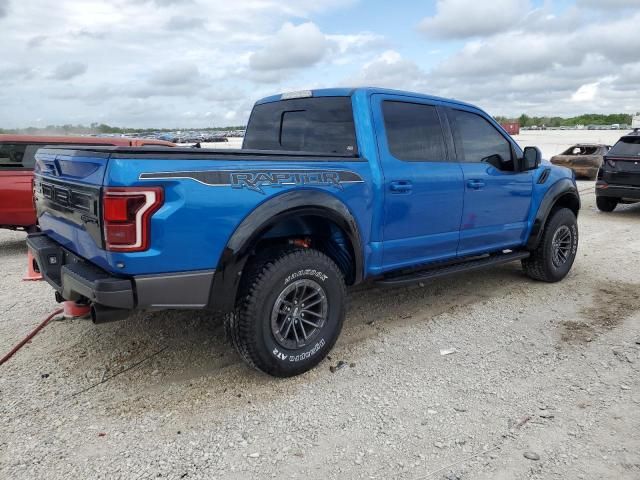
(619, 176)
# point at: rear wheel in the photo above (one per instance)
(290, 312)
(554, 256)
(607, 204)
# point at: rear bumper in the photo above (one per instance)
(628, 192)
(75, 278)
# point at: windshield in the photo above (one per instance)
(626, 147)
(318, 125)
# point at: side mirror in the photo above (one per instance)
(531, 159)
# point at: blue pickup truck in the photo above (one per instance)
(332, 187)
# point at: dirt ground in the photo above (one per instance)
(543, 383)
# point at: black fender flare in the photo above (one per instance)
(560, 189)
(239, 247)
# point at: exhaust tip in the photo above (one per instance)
(101, 314)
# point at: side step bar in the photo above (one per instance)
(450, 269)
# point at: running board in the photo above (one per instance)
(443, 271)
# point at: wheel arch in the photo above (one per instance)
(295, 207)
(562, 194)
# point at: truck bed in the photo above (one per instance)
(188, 152)
(207, 193)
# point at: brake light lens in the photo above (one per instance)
(126, 213)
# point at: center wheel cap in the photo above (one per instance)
(299, 313)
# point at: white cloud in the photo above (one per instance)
(517, 71)
(68, 70)
(179, 22)
(471, 18)
(586, 93)
(176, 74)
(607, 4)
(192, 62)
(296, 47)
(293, 46)
(141, 59)
(391, 70)
(356, 42)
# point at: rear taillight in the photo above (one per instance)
(126, 213)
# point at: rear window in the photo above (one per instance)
(413, 131)
(318, 125)
(17, 155)
(626, 147)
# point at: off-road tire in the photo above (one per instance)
(607, 204)
(540, 265)
(249, 326)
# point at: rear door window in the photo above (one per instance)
(314, 125)
(626, 147)
(414, 133)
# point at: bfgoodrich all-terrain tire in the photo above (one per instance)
(289, 313)
(554, 256)
(606, 204)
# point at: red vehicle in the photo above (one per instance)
(512, 127)
(17, 158)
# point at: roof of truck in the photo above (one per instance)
(347, 92)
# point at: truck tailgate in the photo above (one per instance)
(68, 187)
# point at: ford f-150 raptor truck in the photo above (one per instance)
(331, 187)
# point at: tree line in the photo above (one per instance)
(585, 119)
(524, 119)
(102, 128)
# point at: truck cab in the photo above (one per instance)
(331, 188)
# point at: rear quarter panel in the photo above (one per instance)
(16, 203)
(192, 228)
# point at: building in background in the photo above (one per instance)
(512, 127)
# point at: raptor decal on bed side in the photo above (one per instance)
(255, 180)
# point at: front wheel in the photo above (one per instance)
(554, 256)
(606, 204)
(290, 313)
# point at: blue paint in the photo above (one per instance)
(433, 215)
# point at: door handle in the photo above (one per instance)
(401, 186)
(475, 184)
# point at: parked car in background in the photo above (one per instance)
(584, 159)
(17, 158)
(619, 177)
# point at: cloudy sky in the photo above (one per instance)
(197, 63)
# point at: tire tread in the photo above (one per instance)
(238, 323)
(536, 265)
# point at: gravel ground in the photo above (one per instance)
(543, 383)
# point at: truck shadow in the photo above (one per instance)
(186, 347)
(13, 248)
(629, 210)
